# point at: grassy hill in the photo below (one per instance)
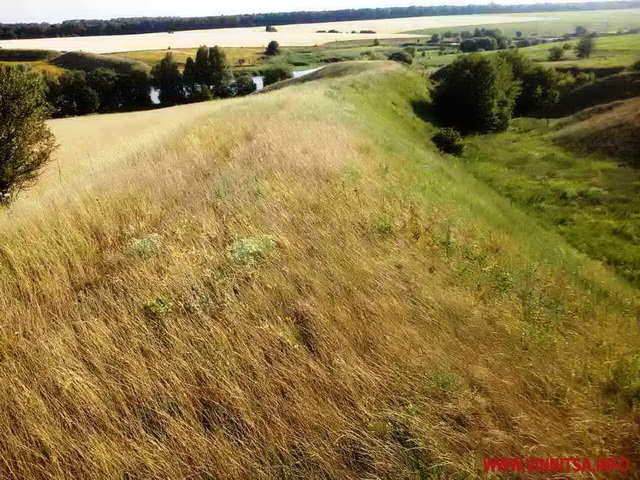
(295, 285)
(613, 129)
(91, 61)
(602, 91)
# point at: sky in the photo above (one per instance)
(58, 10)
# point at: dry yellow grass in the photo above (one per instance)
(281, 291)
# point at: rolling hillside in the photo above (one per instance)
(613, 129)
(295, 285)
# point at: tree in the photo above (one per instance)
(189, 78)
(435, 38)
(243, 86)
(71, 95)
(167, 78)
(277, 74)
(585, 46)
(135, 89)
(556, 54)
(518, 34)
(476, 94)
(271, 29)
(538, 86)
(26, 143)
(105, 83)
(201, 72)
(273, 49)
(376, 43)
(220, 72)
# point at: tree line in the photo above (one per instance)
(206, 77)
(104, 90)
(121, 26)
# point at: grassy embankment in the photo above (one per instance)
(297, 286)
(554, 171)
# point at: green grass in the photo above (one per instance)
(596, 20)
(614, 51)
(591, 200)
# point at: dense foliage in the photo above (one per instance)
(102, 90)
(26, 143)
(272, 49)
(556, 53)
(477, 94)
(402, 56)
(119, 26)
(276, 74)
(585, 46)
(448, 140)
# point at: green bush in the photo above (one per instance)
(243, 86)
(402, 57)
(277, 74)
(556, 54)
(273, 49)
(448, 140)
(248, 251)
(635, 67)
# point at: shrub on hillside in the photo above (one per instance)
(476, 93)
(585, 46)
(26, 143)
(635, 67)
(273, 49)
(479, 44)
(556, 54)
(539, 86)
(448, 140)
(277, 74)
(401, 57)
(243, 86)
(71, 95)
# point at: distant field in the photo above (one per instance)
(287, 35)
(559, 23)
(615, 51)
(248, 56)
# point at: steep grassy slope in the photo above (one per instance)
(298, 287)
(612, 129)
(591, 199)
(604, 90)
